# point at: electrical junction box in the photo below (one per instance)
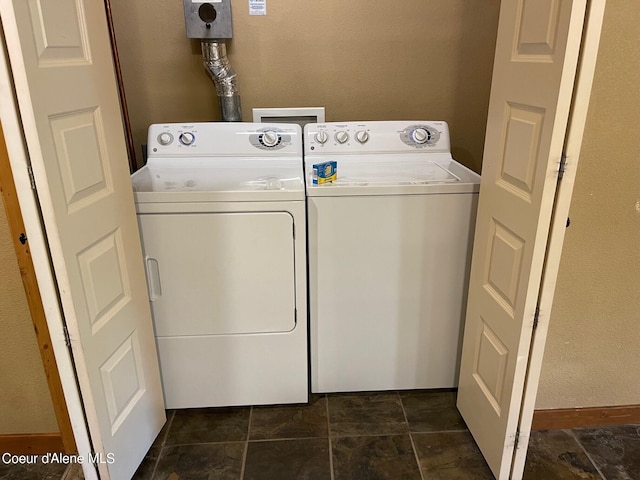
(208, 19)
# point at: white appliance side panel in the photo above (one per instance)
(388, 285)
(226, 370)
(220, 273)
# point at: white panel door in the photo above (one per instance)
(62, 67)
(537, 53)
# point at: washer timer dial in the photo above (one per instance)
(420, 135)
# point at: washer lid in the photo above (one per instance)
(239, 179)
(393, 175)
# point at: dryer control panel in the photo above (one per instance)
(376, 137)
(221, 138)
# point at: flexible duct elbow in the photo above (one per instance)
(224, 77)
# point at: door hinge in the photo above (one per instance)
(562, 166)
(536, 317)
(32, 178)
(67, 338)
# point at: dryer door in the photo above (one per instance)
(220, 273)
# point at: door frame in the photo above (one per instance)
(38, 245)
(34, 301)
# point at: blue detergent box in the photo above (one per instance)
(325, 172)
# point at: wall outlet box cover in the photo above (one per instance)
(209, 20)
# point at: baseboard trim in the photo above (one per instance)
(32, 443)
(585, 417)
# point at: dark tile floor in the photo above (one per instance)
(390, 435)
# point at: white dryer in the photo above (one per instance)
(221, 209)
(389, 255)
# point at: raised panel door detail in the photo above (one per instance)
(103, 272)
(82, 157)
(504, 266)
(70, 112)
(537, 30)
(490, 365)
(123, 381)
(523, 127)
(60, 33)
(537, 50)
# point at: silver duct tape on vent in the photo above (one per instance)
(224, 77)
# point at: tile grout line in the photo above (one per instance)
(381, 434)
(246, 445)
(326, 397)
(279, 439)
(166, 435)
(413, 445)
(249, 424)
(575, 437)
(282, 439)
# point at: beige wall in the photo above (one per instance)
(432, 60)
(25, 403)
(593, 349)
(361, 60)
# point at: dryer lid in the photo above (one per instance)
(246, 179)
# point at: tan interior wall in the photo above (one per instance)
(25, 401)
(592, 355)
(431, 59)
(361, 60)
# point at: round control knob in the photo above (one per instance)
(187, 138)
(342, 137)
(270, 139)
(321, 137)
(165, 138)
(420, 135)
(362, 136)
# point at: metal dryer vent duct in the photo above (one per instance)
(224, 77)
(210, 22)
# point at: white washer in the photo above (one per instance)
(221, 208)
(389, 256)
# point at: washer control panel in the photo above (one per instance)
(223, 138)
(372, 137)
(420, 135)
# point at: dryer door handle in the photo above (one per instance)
(153, 278)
